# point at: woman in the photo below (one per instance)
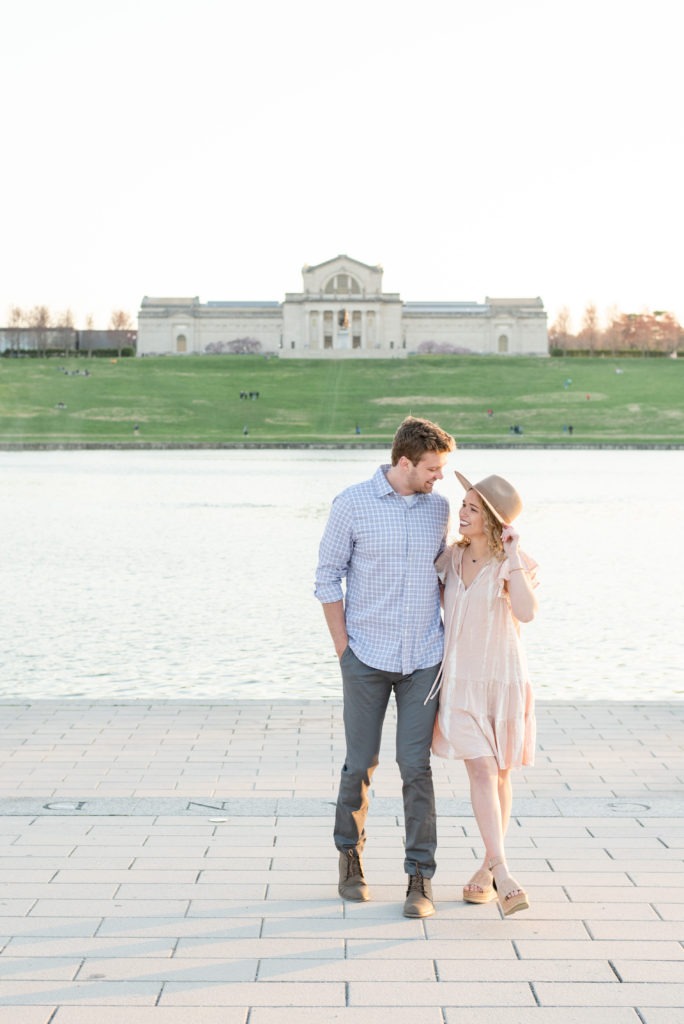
(486, 706)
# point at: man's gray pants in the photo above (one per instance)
(366, 696)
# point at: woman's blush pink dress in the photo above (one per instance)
(486, 704)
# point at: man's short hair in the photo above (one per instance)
(415, 437)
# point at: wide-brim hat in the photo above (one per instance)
(500, 497)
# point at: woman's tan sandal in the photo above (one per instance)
(511, 896)
(480, 888)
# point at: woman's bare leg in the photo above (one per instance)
(491, 795)
(505, 797)
(483, 775)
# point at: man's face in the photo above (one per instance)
(421, 477)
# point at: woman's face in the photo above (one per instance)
(471, 518)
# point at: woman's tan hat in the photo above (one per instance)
(499, 496)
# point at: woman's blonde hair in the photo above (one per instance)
(492, 529)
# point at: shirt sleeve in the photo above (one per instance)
(443, 563)
(335, 552)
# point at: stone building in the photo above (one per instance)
(342, 312)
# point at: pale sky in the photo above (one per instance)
(213, 147)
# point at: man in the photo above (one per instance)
(383, 536)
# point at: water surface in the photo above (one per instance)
(147, 574)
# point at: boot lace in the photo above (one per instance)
(354, 868)
(416, 884)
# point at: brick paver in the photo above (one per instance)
(166, 862)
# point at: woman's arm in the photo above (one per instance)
(524, 603)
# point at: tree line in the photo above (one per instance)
(41, 317)
(37, 331)
(646, 333)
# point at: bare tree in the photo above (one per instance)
(239, 346)
(40, 318)
(635, 331)
(89, 326)
(560, 333)
(15, 321)
(611, 333)
(590, 333)
(121, 325)
(668, 331)
(443, 348)
(65, 319)
(120, 320)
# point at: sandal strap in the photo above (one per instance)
(482, 880)
(512, 892)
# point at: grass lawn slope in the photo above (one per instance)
(196, 400)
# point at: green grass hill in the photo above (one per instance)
(196, 400)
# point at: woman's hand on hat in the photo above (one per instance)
(510, 540)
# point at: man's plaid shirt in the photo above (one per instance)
(385, 547)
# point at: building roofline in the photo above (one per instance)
(308, 268)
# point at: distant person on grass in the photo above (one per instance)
(383, 537)
(486, 706)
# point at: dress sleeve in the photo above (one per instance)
(504, 573)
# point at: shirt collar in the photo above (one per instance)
(382, 485)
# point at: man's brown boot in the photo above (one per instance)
(352, 882)
(418, 896)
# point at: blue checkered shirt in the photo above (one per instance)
(386, 548)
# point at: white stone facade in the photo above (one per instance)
(342, 312)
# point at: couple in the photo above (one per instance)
(387, 536)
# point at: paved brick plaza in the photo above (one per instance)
(171, 863)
